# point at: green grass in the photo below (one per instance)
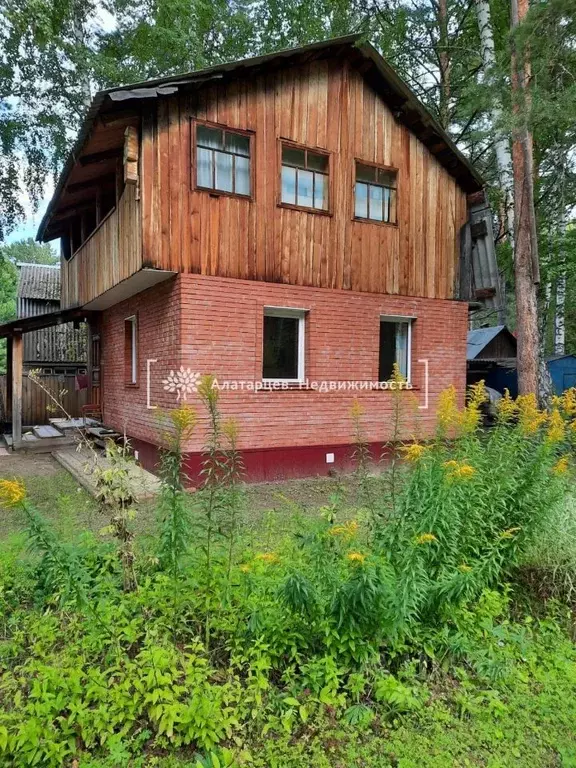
(525, 720)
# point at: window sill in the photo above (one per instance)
(304, 209)
(223, 193)
(375, 221)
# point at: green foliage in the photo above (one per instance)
(334, 648)
(29, 252)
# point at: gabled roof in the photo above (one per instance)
(479, 338)
(95, 139)
(38, 281)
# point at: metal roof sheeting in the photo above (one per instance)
(480, 338)
(38, 281)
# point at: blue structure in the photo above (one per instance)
(562, 372)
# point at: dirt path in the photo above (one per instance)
(28, 465)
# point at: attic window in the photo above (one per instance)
(375, 193)
(222, 160)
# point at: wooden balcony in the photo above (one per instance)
(111, 254)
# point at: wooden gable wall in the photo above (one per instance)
(324, 104)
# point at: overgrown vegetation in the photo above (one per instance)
(358, 639)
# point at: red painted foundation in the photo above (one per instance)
(269, 464)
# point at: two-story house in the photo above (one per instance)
(293, 224)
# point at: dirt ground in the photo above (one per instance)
(28, 465)
(70, 509)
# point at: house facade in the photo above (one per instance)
(293, 225)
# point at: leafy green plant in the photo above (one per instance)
(174, 507)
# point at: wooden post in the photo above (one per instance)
(9, 379)
(17, 389)
(98, 205)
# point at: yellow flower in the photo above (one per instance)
(566, 402)
(477, 394)
(555, 432)
(426, 538)
(570, 401)
(530, 417)
(447, 410)
(509, 533)
(11, 492)
(347, 530)
(413, 452)
(561, 466)
(245, 568)
(458, 470)
(357, 409)
(268, 557)
(464, 471)
(463, 568)
(397, 377)
(356, 557)
(506, 408)
(183, 418)
(230, 430)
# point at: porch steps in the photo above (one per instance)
(33, 444)
(46, 430)
(99, 435)
(81, 463)
(65, 425)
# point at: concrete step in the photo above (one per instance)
(47, 430)
(80, 463)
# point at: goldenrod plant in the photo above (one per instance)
(318, 645)
(114, 492)
(175, 503)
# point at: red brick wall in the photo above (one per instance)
(214, 325)
(158, 313)
(222, 334)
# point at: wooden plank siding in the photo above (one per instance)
(37, 407)
(324, 104)
(111, 254)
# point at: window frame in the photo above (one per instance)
(300, 315)
(194, 123)
(379, 167)
(317, 151)
(395, 319)
(131, 361)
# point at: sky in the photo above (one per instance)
(29, 226)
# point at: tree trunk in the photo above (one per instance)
(502, 145)
(559, 315)
(526, 269)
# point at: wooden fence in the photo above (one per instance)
(37, 407)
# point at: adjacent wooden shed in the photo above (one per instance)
(58, 350)
(563, 372)
(491, 356)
